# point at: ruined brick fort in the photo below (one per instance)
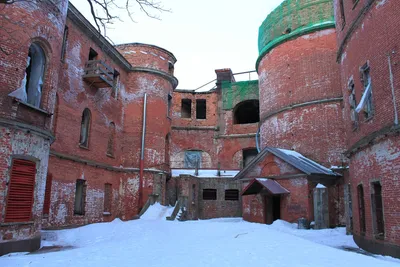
(90, 132)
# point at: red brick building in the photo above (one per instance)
(368, 34)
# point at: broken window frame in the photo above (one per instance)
(201, 109)
(186, 108)
(353, 104)
(80, 197)
(85, 128)
(366, 102)
(209, 194)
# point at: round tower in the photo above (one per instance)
(151, 76)
(300, 93)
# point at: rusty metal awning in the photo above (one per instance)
(259, 184)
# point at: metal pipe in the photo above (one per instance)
(396, 118)
(258, 138)
(142, 151)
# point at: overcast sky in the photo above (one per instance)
(203, 35)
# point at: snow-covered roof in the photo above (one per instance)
(209, 173)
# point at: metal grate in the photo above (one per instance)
(21, 191)
(232, 194)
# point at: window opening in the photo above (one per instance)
(111, 140)
(85, 125)
(248, 155)
(192, 159)
(35, 74)
(209, 194)
(80, 196)
(20, 191)
(201, 109)
(47, 195)
(353, 104)
(92, 54)
(116, 81)
(366, 100)
(377, 210)
(232, 194)
(107, 197)
(64, 43)
(170, 68)
(247, 112)
(361, 208)
(186, 108)
(167, 149)
(169, 105)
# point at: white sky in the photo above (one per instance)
(203, 35)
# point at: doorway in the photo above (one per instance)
(272, 207)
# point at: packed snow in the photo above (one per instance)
(153, 241)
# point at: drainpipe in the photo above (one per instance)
(258, 138)
(396, 119)
(142, 152)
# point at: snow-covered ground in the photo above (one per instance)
(153, 241)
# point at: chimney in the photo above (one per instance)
(224, 75)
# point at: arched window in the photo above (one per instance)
(246, 112)
(111, 140)
(35, 74)
(85, 127)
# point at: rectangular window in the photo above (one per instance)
(248, 155)
(353, 104)
(80, 196)
(20, 191)
(186, 108)
(92, 54)
(366, 100)
(47, 195)
(201, 109)
(169, 106)
(64, 43)
(361, 208)
(377, 210)
(232, 194)
(209, 194)
(107, 198)
(116, 81)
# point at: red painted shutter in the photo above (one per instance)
(21, 191)
(47, 195)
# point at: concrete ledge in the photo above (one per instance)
(377, 246)
(195, 128)
(27, 245)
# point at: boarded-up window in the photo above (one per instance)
(186, 108)
(361, 208)
(192, 159)
(107, 197)
(20, 191)
(377, 210)
(232, 194)
(111, 140)
(80, 196)
(47, 195)
(201, 109)
(85, 127)
(209, 194)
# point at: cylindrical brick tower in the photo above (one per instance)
(153, 69)
(368, 34)
(300, 95)
(30, 48)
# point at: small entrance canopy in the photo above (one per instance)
(259, 184)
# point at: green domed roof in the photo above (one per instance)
(291, 19)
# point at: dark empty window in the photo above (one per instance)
(47, 195)
(166, 152)
(232, 194)
(361, 208)
(209, 194)
(85, 127)
(92, 54)
(80, 196)
(186, 108)
(116, 80)
(201, 109)
(169, 106)
(248, 155)
(64, 43)
(111, 140)
(20, 191)
(170, 68)
(107, 198)
(377, 210)
(246, 112)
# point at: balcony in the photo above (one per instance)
(98, 74)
